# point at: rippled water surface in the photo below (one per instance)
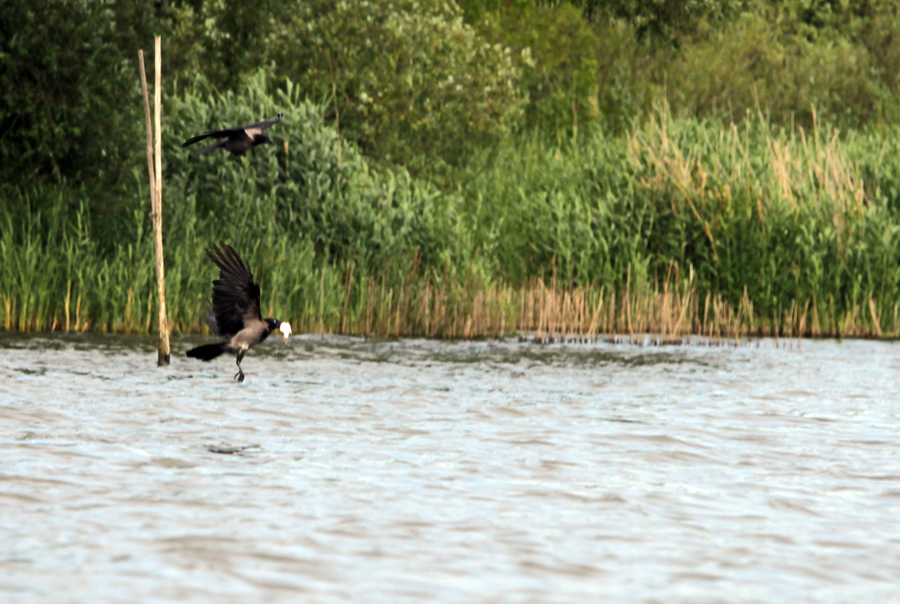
(418, 471)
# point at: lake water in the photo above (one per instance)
(472, 472)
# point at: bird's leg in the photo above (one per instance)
(239, 376)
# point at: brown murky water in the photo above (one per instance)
(417, 471)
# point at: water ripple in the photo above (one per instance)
(345, 470)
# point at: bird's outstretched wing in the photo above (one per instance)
(236, 131)
(227, 133)
(235, 297)
(260, 127)
(212, 147)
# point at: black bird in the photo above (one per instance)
(238, 139)
(235, 314)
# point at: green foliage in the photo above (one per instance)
(426, 83)
(788, 61)
(783, 216)
(63, 84)
(750, 67)
(707, 145)
(556, 53)
(534, 212)
(225, 41)
(311, 185)
(627, 87)
(411, 83)
(302, 214)
(667, 21)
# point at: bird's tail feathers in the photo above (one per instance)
(194, 139)
(207, 352)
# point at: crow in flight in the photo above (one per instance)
(238, 139)
(235, 314)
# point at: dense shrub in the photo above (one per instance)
(556, 53)
(312, 185)
(412, 83)
(751, 67)
(304, 214)
(665, 21)
(68, 97)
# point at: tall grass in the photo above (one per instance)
(778, 217)
(62, 283)
(678, 227)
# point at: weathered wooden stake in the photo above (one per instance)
(155, 169)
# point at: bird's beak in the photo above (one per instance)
(286, 330)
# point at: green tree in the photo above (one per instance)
(410, 82)
(556, 52)
(664, 20)
(67, 94)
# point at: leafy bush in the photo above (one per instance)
(308, 215)
(556, 53)
(665, 21)
(69, 100)
(311, 185)
(751, 67)
(412, 83)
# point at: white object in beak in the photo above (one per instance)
(286, 330)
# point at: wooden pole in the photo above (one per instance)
(154, 166)
(164, 351)
(149, 129)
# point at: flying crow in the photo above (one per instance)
(238, 139)
(235, 312)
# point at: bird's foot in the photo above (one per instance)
(239, 376)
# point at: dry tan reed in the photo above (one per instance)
(545, 312)
(539, 311)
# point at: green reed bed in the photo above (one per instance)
(679, 227)
(785, 219)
